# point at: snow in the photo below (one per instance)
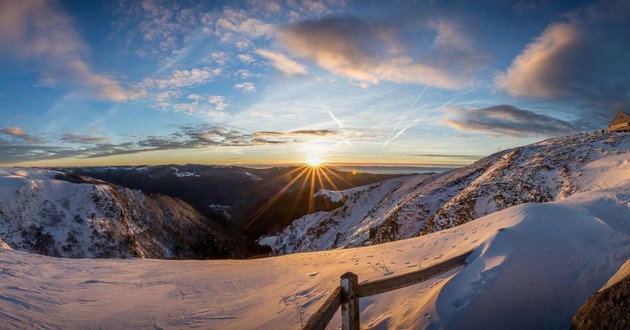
(182, 174)
(623, 272)
(533, 266)
(252, 176)
(267, 240)
(333, 196)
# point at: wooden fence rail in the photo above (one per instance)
(348, 293)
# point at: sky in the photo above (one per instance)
(436, 83)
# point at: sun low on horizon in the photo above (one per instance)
(314, 162)
(99, 83)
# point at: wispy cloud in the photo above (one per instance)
(247, 87)
(70, 137)
(282, 62)
(246, 58)
(184, 78)
(163, 26)
(19, 133)
(238, 26)
(507, 120)
(40, 35)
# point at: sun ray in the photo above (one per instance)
(339, 177)
(318, 172)
(325, 175)
(258, 213)
(311, 198)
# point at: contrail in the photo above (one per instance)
(417, 120)
(330, 114)
(411, 107)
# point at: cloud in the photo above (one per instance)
(540, 70)
(163, 26)
(201, 105)
(82, 139)
(238, 26)
(220, 57)
(282, 62)
(39, 34)
(184, 137)
(508, 120)
(192, 104)
(17, 132)
(246, 58)
(582, 59)
(316, 132)
(184, 78)
(365, 51)
(246, 87)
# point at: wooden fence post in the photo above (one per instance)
(350, 302)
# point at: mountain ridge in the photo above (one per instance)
(65, 215)
(541, 172)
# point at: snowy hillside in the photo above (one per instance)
(56, 214)
(407, 207)
(534, 265)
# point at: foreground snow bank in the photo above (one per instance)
(534, 266)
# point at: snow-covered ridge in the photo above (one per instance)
(84, 217)
(410, 206)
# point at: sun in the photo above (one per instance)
(314, 161)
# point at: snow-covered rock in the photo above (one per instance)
(410, 206)
(53, 213)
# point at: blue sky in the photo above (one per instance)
(279, 82)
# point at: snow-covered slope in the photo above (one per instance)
(53, 213)
(407, 207)
(534, 265)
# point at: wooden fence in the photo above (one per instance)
(348, 293)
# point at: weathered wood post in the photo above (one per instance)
(350, 302)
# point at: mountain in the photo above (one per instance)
(65, 215)
(532, 267)
(253, 201)
(417, 205)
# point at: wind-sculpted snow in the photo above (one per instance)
(41, 211)
(411, 206)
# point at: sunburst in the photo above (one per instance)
(308, 179)
(314, 161)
